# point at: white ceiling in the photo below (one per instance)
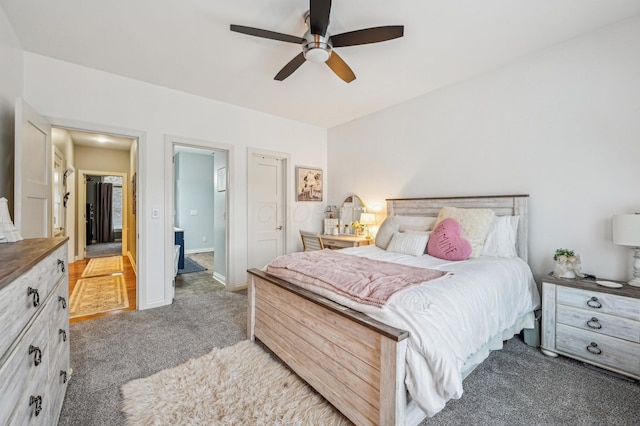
(186, 45)
(94, 140)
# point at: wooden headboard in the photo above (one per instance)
(503, 205)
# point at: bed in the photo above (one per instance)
(359, 363)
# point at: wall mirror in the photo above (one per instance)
(352, 208)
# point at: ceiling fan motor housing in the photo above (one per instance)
(316, 48)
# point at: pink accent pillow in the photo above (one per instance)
(446, 242)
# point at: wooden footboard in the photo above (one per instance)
(355, 362)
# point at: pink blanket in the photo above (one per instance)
(364, 280)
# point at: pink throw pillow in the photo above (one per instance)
(446, 242)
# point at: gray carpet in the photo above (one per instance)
(515, 386)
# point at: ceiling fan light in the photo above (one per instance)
(317, 55)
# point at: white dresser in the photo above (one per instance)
(595, 324)
(34, 342)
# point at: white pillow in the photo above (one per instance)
(393, 224)
(413, 243)
(501, 238)
(474, 225)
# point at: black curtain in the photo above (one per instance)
(104, 216)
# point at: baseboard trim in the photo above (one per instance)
(133, 263)
(200, 250)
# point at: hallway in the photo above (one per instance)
(75, 272)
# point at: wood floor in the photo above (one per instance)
(75, 271)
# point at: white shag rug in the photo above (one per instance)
(240, 384)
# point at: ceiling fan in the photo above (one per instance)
(317, 44)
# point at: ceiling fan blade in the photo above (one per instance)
(319, 11)
(257, 32)
(367, 35)
(288, 69)
(340, 67)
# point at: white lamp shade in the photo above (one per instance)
(626, 230)
(368, 219)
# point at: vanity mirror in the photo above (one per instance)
(352, 208)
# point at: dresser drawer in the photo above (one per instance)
(20, 373)
(596, 302)
(59, 376)
(24, 297)
(599, 349)
(600, 323)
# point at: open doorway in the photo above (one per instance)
(200, 194)
(99, 173)
(104, 204)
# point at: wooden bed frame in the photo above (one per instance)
(355, 362)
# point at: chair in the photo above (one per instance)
(311, 241)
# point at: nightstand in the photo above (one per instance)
(592, 323)
(344, 241)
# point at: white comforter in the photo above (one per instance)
(451, 318)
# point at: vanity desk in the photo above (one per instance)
(335, 242)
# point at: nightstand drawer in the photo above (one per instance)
(600, 323)
(604, 350)
(596, 302)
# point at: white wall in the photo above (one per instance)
(69, 92)
(194, 191)
(11, 85)
(562, 125)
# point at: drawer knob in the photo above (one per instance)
(36, 296)
(63, 374)
(61, 264)
(37, 400)
(594, 303)
(64, 302)
(37, 357)
(593, 323)
(64, 334)
(594, 349)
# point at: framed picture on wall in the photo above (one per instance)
(308, 184)
(222, 179)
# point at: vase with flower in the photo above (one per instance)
(358, 228)
(567, 264)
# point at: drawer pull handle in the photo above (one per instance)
(593, 303)
(593, 323)
(61, 264)
(64, 334)
(594, 349)
(63, 374)
(38, 401)
(64, 302)
(37, 357)
(36, 296)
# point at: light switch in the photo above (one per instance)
(155, 213)
(193, 212)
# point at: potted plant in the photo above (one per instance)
(567, 264)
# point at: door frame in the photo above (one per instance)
(286, 184)
(140, 266)
(82, 201)
(169, 183)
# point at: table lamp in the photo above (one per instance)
(367, 219)
(626, 232)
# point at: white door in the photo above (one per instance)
(33, 188)
(267, 227)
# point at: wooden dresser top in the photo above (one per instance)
(587, 284)
(17, 258)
